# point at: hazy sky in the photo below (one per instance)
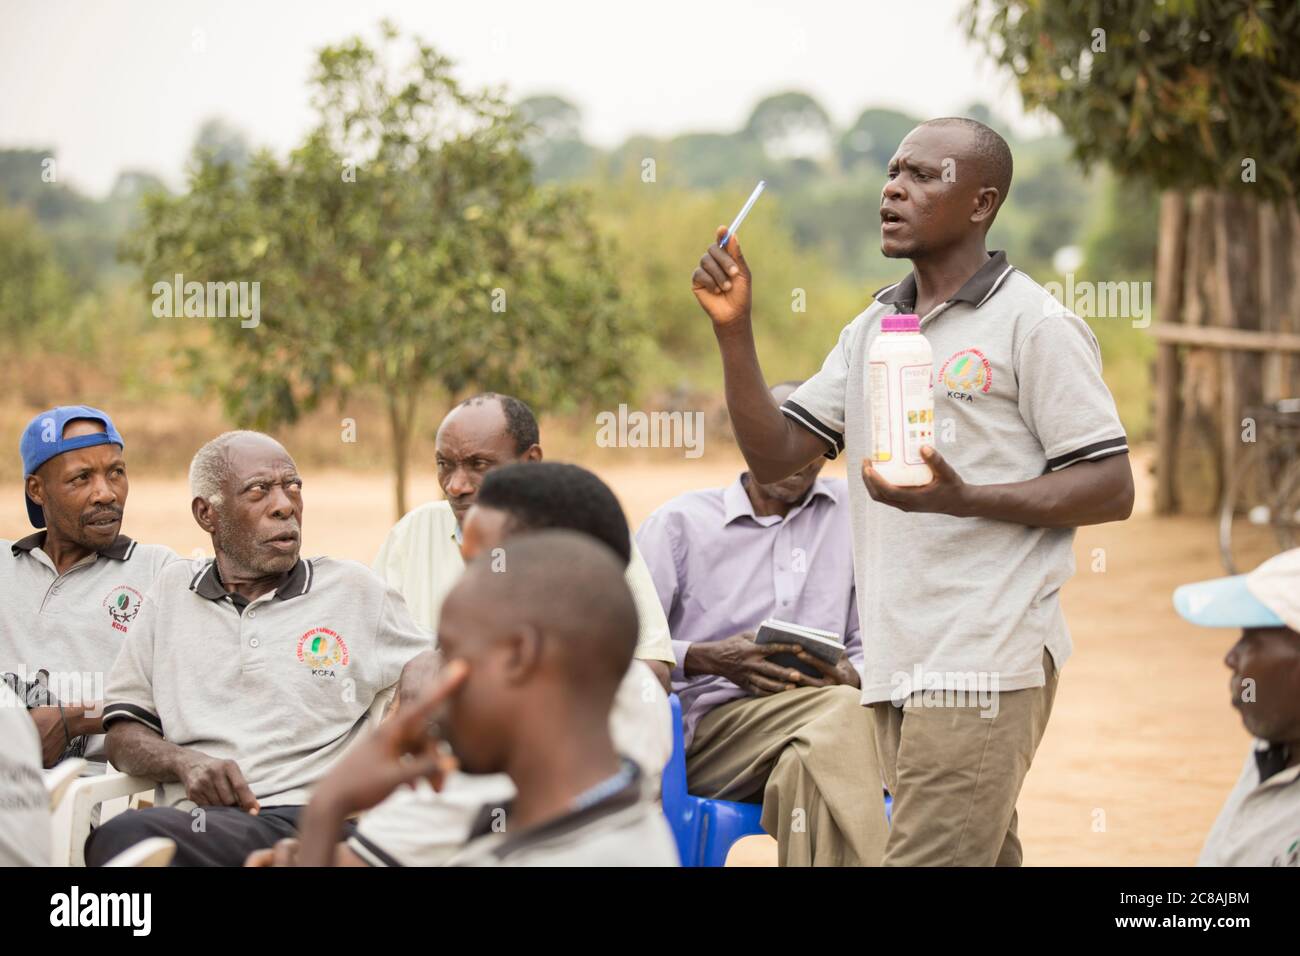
(114, 85)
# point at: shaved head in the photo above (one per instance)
(989, 152)
(546, 624)
(571, 589)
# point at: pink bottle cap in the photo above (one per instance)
(900, 323)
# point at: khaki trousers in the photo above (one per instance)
(955, 775)
(810, 752)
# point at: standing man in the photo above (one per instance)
(421, 556)
(245, 679)
(958, 581)
(72, 591)
(724, 560)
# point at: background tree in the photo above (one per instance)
(1201, 99)
(34, 292)
(791, 124)
(403, 247)
(553, 138)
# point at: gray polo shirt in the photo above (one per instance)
(1259, 824)
(625, 827)
(949, 602)
(280, 685)
(72, 625)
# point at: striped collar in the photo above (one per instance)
(977, 290)
(293, 583)
(624, 789)
(120, 550)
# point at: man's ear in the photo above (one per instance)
(534, 453)
(523, 653)
(986, 205)
(204, 514)
(34, 490)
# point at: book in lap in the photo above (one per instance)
(825, 645)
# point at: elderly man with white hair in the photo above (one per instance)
(243, 681)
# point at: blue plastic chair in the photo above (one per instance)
(704, 829)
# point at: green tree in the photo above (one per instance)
(553, 138)
(34, 294)
(873, 137)
(1201, 99)
(402, 247)
(791, 124)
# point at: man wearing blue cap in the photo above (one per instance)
(73, 589)
(1260, 823)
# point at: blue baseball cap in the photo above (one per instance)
(43, 439)
(1269, 596)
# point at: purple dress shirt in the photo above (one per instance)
(721, 570)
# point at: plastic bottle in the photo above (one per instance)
(900, 385)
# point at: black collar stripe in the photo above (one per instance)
(296, 582)
(372, 854)
(1002, 278)
(206, 584)
(120, 550)
(975, 291)
(621, 799)
(29, 543)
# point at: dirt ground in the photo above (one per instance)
(1142, 748)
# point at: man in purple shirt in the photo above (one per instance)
(723, 560)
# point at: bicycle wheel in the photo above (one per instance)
(1286, 510)
(1248, 511)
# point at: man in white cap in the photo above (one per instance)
(1260, 823)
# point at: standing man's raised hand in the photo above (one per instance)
(721, 283)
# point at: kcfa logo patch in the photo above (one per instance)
(322, 650)
(966, 373)
(123, 604)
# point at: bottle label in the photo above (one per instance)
(904, 428)
(882, 444)
(917, 390)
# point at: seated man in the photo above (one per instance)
(1260, 823)
(73, 590)
(241, 684)
(536, 650)
(421, 555)
(724, 560)
(418, 827)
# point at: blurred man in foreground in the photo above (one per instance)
(536, 650)
(420, 827)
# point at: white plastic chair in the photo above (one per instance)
(114, 792)
(59, 777)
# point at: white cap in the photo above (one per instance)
(1267, 597)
